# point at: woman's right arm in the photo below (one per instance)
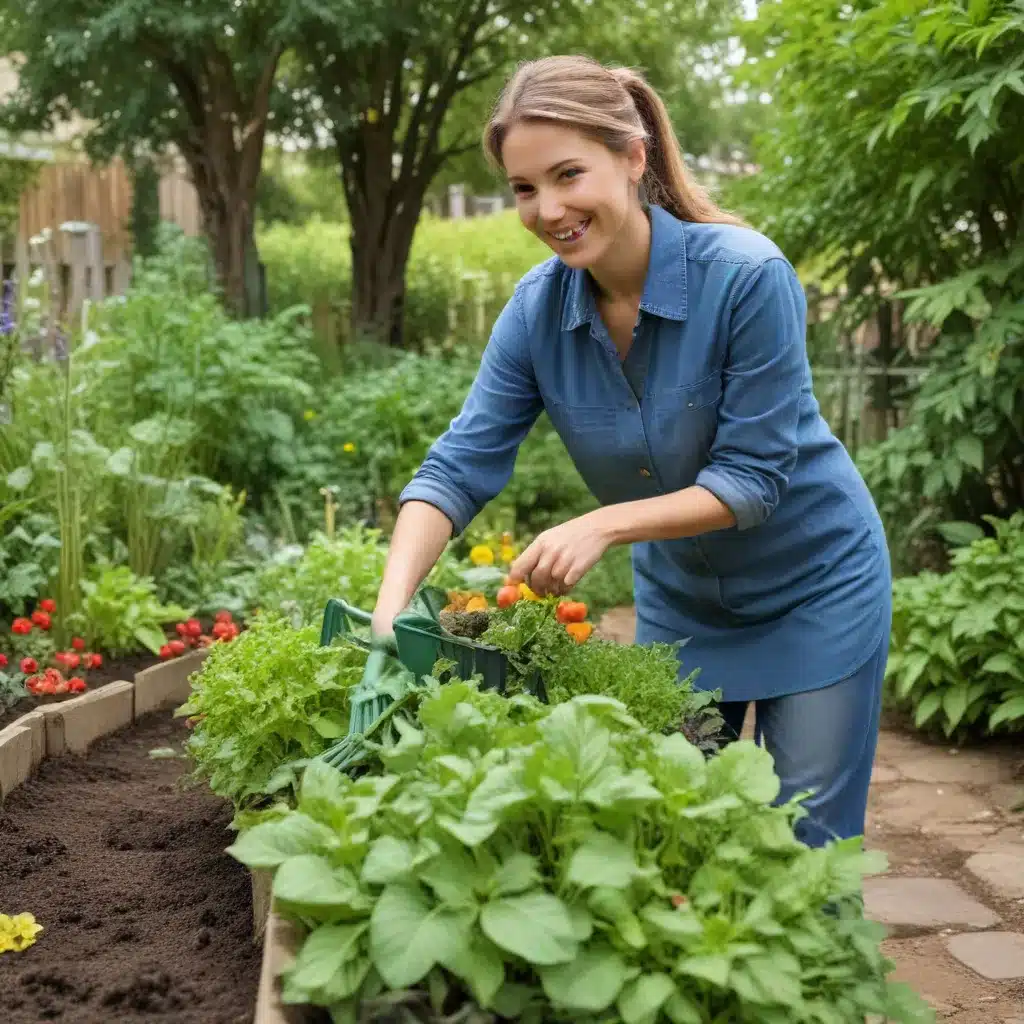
(420, 536)
(467, 466)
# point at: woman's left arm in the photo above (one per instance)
(754, 450)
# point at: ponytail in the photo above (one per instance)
(666, 181)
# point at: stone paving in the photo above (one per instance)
(952, 899)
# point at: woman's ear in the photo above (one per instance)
(636, 156)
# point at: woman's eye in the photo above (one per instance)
(522, 190)
(571, 172)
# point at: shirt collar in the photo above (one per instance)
(664, 292)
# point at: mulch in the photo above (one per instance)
(145, 917)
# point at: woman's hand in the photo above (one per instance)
(560, 557)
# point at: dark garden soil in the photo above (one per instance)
(145, 917)
(111, 671)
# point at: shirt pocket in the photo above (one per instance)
(683, 424)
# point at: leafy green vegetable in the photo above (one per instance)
(271, 697)
(645, 678)
(957, 655)
(566, 864)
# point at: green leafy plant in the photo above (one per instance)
(120, 611)
(957, 654)
(270, 697)
(565, 864)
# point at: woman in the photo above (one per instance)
(666, 343)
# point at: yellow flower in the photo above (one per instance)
(481, 555)
(349, 447)
(508, 553)
(526, 593)
(17, 932)
(309, 415)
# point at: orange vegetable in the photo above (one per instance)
(508, 595)
(477, 604)
(571, 611)
(579, 631)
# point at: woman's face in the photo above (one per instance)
(574, 193)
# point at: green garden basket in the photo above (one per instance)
(421, 641)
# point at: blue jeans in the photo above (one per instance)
(823, 740)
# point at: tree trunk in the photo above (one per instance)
(381, 240)
(228, 225)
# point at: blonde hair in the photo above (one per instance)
(614, 106)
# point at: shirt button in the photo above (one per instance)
(689, 405)
(645, 472)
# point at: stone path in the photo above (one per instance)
(953, 896)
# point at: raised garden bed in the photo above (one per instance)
(143, 912)
(144, 915)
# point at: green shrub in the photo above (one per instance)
(958, 639)
(375, 426)
(311, 265)
(564, 864)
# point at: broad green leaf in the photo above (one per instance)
(452, 875)
(681, 1009)
(469, 833)
(1004, 664)
(613, 906)
(536, 926)
(603, 859)
(515, 874)
(480, 965)
(768, 979)
(684, 764)
(498, 790)
(960, 534)
(150, 637)
(643, 997)
(272, 843)
(589, 984)
(954, 703)
(744, 769)
(970, 451)
(712, 967)
(674, 923)
(930, 703)
(388, 860)
(309, 884)
(322, 784)
(408, 936)
(1009, 711)
(324, 953)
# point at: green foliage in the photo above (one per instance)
(962, 450)
(28, 561)
(958, 639)
(311, 264)
(16, 177)
(271, 696)
(645, 679)
(300, 582)
(891, 167)
(566, 864)
(121, 612)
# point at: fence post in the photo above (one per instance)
(97, 270)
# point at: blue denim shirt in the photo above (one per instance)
(716, 391)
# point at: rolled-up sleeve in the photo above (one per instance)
(473, 460)
(755, 447)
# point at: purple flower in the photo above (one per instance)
(6, 305)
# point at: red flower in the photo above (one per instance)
(76, 684)
(95, 660)
(29, 665)
(177, 647)
(222, 616)
(3, 661)
(22, 626)
(166, 652)
(48, 605)
(194, 627)
(78, 643)
(73, 660)
(41, 619)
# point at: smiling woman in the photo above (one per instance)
(666, 342)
